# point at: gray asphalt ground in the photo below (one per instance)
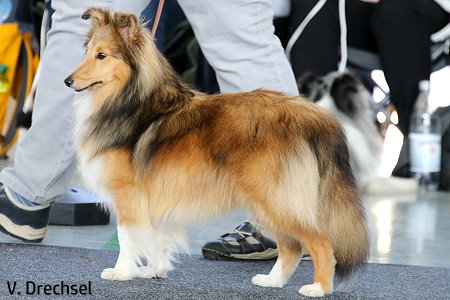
(197, 278)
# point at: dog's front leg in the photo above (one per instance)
(119, 181)
(161, 243)
(126, 266)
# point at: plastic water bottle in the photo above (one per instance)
(4, 85)
(425, 142)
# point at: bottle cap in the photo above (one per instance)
(3, 68)
(424, 85)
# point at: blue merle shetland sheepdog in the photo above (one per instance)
(345, 96)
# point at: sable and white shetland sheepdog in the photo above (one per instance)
(166, 155)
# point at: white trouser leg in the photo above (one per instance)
(45, 157)
(237, 38)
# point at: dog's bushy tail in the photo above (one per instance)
(343, 218)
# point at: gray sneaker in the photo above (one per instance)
(244, 243)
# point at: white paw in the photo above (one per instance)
(147, 272)
(267, 281)
(115, 274)
(312, 290)
(162, 270)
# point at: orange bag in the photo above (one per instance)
(22, 62)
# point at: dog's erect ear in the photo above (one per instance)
(311, 86)
(343, 91)
(128, 26)
(98, 15)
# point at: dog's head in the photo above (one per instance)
(114, 41)
(345, 89)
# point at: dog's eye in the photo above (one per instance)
(101, 55)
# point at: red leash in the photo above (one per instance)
(157, 17)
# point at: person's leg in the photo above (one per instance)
(237, 38)
(402, 29)
(45, 157)
(317, 48)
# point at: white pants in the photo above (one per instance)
(236, 36)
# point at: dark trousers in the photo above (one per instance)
(398, 30)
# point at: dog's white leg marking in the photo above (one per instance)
(147, 272)
(162, 266)
(126, 267)
(312, 290)
(159, 266)
(162, 248)
(156, 249)
(274, 279)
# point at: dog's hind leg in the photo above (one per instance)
(324, 263)
(289, 255)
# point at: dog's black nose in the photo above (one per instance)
(68, 81)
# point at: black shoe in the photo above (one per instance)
(245, 243)
(28, 223)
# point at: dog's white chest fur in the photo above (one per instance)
(83, 109)
(91, 167)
